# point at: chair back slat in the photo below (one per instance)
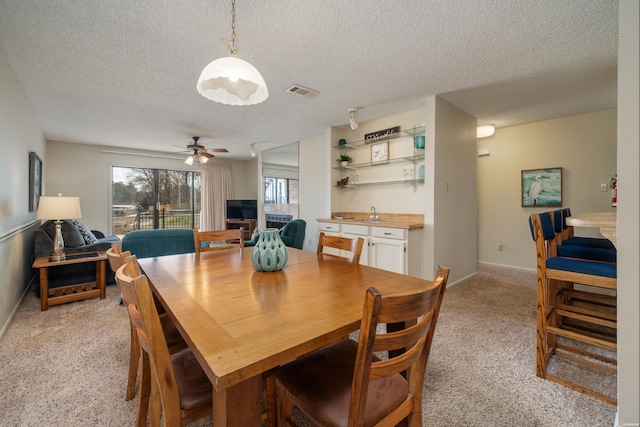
(354, 246)
(419, 313)
(218, 239)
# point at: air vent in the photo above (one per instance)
(302, 91)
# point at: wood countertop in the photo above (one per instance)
(391, 220)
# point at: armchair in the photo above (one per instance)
(292, 234)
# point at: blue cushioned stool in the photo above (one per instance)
(584, 316)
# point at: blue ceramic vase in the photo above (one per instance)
(269, 253)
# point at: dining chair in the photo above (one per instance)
(346, 384)
(592, 322)
(172, 386)
(354, 246)
(129, 269)
(217, 239)
(114, 256)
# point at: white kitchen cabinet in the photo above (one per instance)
(397, 250)
(330, 229)
(353, 231)
(388, 248)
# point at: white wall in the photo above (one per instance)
(454, 191)
(85, 171)
(315, 185)
(628, 208)
(20, 133)
(584, 146)
(390, 198)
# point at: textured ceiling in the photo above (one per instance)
(123, 73)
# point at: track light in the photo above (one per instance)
(352, 118)
(251, 151)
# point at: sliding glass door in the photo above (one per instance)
(145, 198)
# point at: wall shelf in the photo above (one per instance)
(400, 181)
(407, 132)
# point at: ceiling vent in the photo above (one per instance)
(302, 91)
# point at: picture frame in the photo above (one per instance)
(541, 188)
(380, 152)
(35, 181)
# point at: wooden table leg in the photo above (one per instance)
(240, 405)
(101, 277)
(44, 288)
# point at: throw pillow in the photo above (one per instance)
(87, 235)
(70, 234)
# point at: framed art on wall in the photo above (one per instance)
(35, 180)
(541, 187)
(380, 152)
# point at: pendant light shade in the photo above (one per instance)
(232, 81)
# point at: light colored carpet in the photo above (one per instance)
(68, 366)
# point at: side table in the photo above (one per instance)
(76, 291)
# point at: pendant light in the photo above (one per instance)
(231, 80)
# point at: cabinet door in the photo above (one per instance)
(353, 231)
(388, 254)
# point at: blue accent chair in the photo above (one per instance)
(292, 234)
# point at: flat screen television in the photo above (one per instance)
(242, 209)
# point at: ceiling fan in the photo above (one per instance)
(200, 152)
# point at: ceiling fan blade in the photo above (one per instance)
(218, 150)
(207, 155)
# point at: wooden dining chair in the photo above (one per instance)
(346, 384)
(172, 386)
(128, 270)
(114, 256)
(592, 322)
(217, 239)
(353, 246)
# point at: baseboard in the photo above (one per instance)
(5, 327)
(457, 282)
(507, 267)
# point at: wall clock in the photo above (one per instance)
(380, 152)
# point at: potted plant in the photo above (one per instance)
(344, 159)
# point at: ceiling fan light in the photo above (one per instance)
(204, 159)
(485, 131)
(189, 160)
(232, 81)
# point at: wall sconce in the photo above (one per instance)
(485, 131)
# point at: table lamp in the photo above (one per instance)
(57, 209)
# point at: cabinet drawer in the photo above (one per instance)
(389, 233)
(329, 226)
(360, 230)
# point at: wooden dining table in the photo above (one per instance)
(607, 222)
(240, 322)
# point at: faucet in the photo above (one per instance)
(374, 216)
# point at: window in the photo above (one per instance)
(154, 198)
(280, 190)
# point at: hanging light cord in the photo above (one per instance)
(231, 43)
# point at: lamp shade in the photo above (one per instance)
(59, 208)
(232, 81)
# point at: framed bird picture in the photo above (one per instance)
(542, 188)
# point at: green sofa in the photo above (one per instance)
(158, 242)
